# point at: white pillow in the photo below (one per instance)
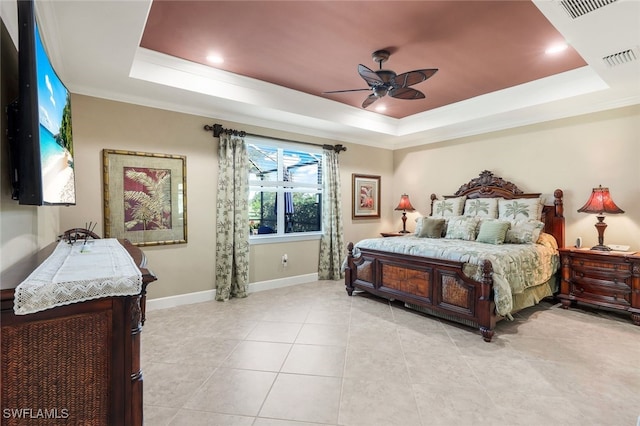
(448, 207)
(481, 207)
(524, 232)
(520, 209)
(462, 228)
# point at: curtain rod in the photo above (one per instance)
(218, 130)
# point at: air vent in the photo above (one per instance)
(577, 8)
(620, 58)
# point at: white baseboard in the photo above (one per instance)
(208, 295)
(180, 299)
(283, 282)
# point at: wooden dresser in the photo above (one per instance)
(601, 278)
(74, 364)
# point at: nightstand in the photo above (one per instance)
(394, 234)
(601, 278)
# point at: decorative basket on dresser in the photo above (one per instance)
(601, 278)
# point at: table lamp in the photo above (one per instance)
(405, 206)
(599, 203)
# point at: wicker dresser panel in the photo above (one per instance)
(77, 364)
(62, 366)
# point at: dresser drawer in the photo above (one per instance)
(601, 268)
(590, 287)
(607, 279)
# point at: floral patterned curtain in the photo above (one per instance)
(232, 217)
(331, 242)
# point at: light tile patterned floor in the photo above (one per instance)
(311, 355)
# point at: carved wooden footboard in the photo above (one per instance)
(438, 287)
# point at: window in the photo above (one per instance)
(285, 188)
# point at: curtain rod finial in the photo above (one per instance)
(216, 128)
(336, 148)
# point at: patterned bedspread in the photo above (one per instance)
(516, 267)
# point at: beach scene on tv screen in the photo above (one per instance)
(56, 142)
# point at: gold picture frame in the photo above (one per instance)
(365, 196)
(145, 197)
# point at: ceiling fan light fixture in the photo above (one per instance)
(380, 91)
(387, 82)
(386, 76)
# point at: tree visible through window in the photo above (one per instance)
(285, 187)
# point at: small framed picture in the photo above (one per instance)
(145, 197)
(366, 196)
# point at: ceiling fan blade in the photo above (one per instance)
(370, 99)
(405, 93)
(413, 77)
(349, 90)
(369, 76)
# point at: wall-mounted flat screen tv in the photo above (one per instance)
(42, 141)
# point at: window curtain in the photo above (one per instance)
(331, 242)
(232, 218)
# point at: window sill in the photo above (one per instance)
(287, 238)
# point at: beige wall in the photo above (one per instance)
(23, 229)
(186, 268)
(575, 155)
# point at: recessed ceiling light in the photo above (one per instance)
(215, 59)
(556, 48)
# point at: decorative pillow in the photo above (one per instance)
(430, 227)
(418, 225)
(524, 232)
(520, 209)
(547, 240)
(448, 207)
(481, 207)
(493, 231)
(462, 228)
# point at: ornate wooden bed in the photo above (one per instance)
(439, 287)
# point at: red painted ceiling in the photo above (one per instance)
(315, 46)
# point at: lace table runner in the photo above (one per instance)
(78, 272)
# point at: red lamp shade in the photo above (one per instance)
(405, 206)
(599, 203)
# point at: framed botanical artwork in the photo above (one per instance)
(145, 197)
(366, 196)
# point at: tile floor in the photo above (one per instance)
(311, 355)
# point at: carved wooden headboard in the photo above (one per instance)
(489, 186)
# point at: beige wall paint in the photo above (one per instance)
(101, 124)
(575, 155)
(187, 268)
(365, 160)
(23, 229)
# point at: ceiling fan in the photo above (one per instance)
(386, 82)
